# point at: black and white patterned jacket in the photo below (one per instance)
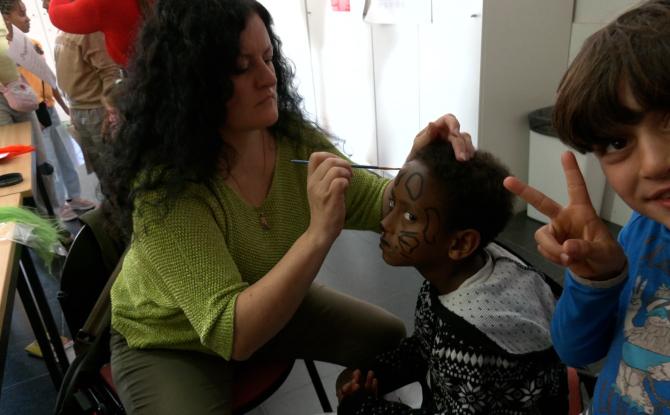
(482, 349)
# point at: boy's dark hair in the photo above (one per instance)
(472, 192)
(635, 50)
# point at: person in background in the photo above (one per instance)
(614, 101)
(85, 72)
(111, 100)
(119, 20)
(482, 342)
(8, 71)
(15, 13)
(225, 234)
(11, 78)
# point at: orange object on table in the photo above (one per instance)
(8, 152)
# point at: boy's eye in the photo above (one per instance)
(409, 216)
(391, 203)
(615, 144)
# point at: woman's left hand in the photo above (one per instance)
(447, 128)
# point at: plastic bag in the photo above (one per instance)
(22, 226)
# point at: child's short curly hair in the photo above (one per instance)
(633, 50)
(473, 196)
(6, 6)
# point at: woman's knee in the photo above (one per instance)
(170, 382)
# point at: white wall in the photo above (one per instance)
(525, 45)
(590, 16)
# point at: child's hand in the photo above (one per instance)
(575, 236)
(349, 383)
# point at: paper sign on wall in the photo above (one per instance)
(397, 11)
(340, 5)
(22, 51)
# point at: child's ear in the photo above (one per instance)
(463, 244)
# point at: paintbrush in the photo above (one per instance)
(354, 166)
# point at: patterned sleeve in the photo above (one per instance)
(401, 366)
(398, 367)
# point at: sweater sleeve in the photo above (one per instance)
(95, 53)
(78, 16)
(188, 252)
(401, 366)
(583, 324)
(393, 369)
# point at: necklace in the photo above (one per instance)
(262, 218)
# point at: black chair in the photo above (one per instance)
(88, 387)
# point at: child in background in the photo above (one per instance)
(15, 13)
(614, 101)
(481, 339)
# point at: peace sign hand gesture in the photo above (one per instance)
(575, 237)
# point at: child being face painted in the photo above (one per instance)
(442, 213)
(477, 300)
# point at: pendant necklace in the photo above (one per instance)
(262, 218)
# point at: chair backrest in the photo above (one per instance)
(82, 279)
(90, 262)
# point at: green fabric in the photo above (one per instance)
(180, 279)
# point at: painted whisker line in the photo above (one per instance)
(353, 166)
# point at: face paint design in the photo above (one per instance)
(411, 228)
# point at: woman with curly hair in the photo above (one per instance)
(225, 234)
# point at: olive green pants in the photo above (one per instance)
(328, 326)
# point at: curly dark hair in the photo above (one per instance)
(175, 94)
(6, 6)
(473, 196)
(633, 49)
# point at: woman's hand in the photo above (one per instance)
(447, 128)
(575, 237)
(327, 181)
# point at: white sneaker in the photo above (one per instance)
(79, 203)
(66, 213)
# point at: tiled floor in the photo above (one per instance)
(353, 266)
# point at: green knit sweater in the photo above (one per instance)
(182, 274)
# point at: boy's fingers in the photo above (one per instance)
(356, 378)
(551, 248)
(577, 191)
(556, 260)
(577, 249)
(537, 199)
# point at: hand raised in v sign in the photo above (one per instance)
(575, 237)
